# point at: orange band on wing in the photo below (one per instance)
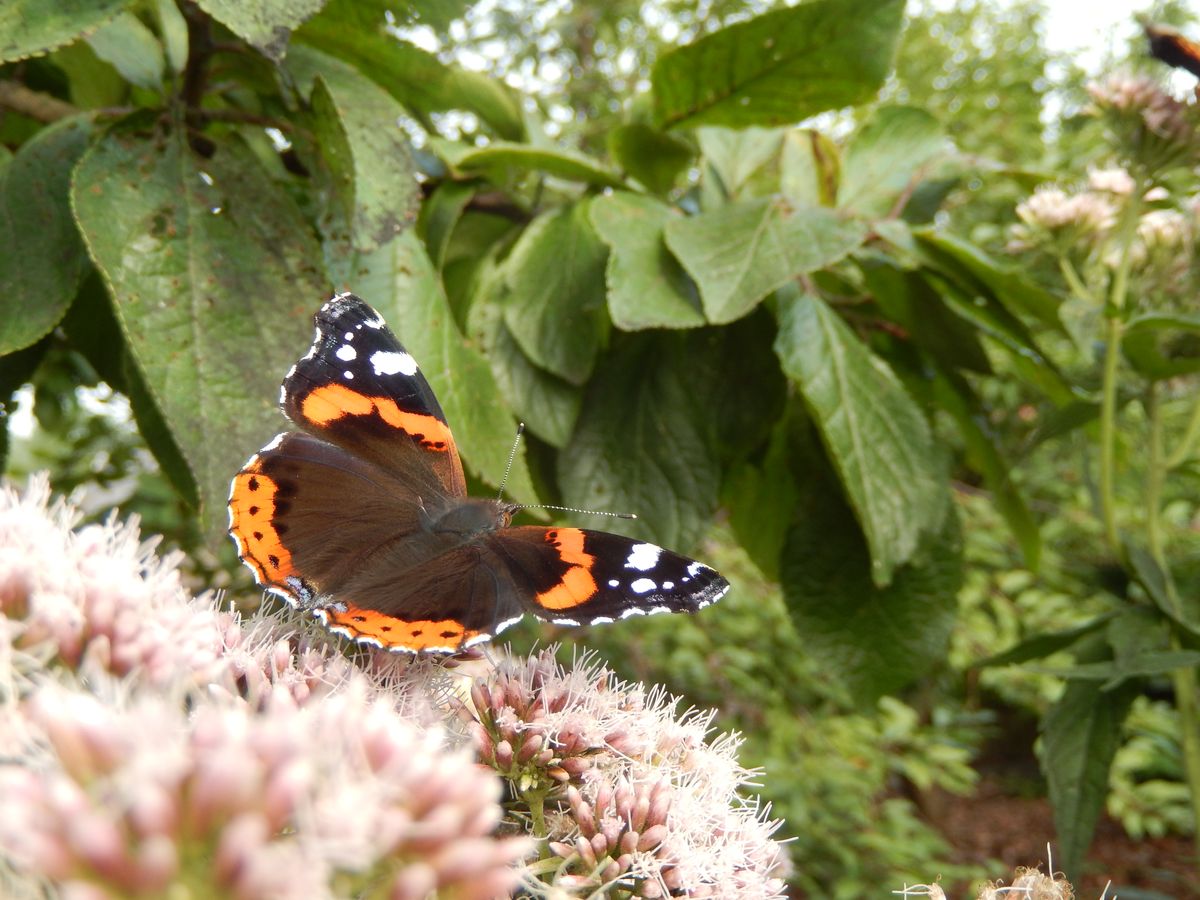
(426, 634)
(253, 504)
(577, 585)
(328, 403)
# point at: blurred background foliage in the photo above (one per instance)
(864, 734)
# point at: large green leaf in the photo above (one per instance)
(873, 431)
(739, 253)
(1080, 736)
(366, 152)
(418, 79)
(1163, 345)
(43, 259)
(214, 274)
(29, 27)
(562, 163)
(885, 158)
(556, 283)
(643, 445)
(779, 67)
(132, 49)
(400, 281)
(647, 288)
(267, 24)
(876, 639)
(653, 157)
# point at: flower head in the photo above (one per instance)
(1151, 129)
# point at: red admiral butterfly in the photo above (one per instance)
(1169, 46)
(361, 516)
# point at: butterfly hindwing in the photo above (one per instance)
(578, 576)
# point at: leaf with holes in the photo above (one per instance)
(214, 277)
(30, 27)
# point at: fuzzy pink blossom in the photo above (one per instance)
(637, 793)
(292, 800)
(1151, 129)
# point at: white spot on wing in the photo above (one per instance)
(349, 335)
(348, 375)
(346, 353)
(612, 582)
(390, 362)
(643, 557)
(695, 568)
(642, 586)
(667, 585)
(565, 621)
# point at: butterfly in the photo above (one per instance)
(360, 515)
(1169, 46)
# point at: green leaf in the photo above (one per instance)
(887, 156)
(212, 270)
(647, 288)
(643, 445)
(374, 179)
(980, 274)
(266, 24)
(736, 155)
(440, 213)
(401, 282)
(994, 321)
(955, 397)
(874, 433)
(1159, 662)
(1163, 345)
(779, 67)
(908, 300)
(556, 284)
(876, 639)
(43, 259)
(740, 253)
(547, 405)
(132, 49)
(653, 157)
(418, 79)
(566, 164)
(1153, 580)
(1080, 736)
(29, 27)
(1038, 646)
(761, 498)
(809, 168)
(92, 81)
(172, 26)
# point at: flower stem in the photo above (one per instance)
(1071, 277)
(1114, 326)
(1183, 452)
(1187, 698)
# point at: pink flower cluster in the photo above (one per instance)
(154, 744)
(136, 797)
(1152, 129)
(626, 791)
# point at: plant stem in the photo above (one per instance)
(1114, 326)
(1071, 277)
(1183, 451)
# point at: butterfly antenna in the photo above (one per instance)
(512, 455)
(586, 512)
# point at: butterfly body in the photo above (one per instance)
(361, 515)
